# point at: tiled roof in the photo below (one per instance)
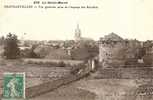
(113, 37)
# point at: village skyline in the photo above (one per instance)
(23, 36)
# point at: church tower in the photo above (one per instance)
(77, 35)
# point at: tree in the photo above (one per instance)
(31, 53)
(11, 49)
(2, 39)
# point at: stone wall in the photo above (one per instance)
(111, 53)
(125, 73)
(51, 85)
(117, 52)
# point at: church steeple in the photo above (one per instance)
(77, 33)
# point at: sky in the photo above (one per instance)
(127, 18)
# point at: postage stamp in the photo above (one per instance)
(14, 86)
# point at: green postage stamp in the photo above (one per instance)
(14, 86)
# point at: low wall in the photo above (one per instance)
(51, 85)
(125, 73)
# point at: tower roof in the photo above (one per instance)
(77, 35)
(78, 30)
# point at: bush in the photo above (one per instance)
(61, 64)
(148, 59)
(47, 63)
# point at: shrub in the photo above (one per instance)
(61, 64)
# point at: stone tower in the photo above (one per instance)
(77, 35)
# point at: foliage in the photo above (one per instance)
(49, 64)
(29, 53)
(61, 64)
(11, 49)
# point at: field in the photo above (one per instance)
(97, 89)
(68, 92)
(35, 73)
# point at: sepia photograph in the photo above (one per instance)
(76, 50)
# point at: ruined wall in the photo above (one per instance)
(111, 53)
(148, 57)
(118, 52)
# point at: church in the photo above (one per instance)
(78, 37)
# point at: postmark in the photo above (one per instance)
(14, 86)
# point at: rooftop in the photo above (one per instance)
(113, 37)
